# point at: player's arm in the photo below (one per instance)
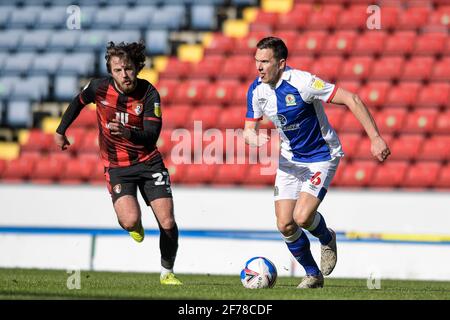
(86, 96)
(379, 148)
(152, 124)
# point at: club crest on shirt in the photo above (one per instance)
(138, 109)
(157, 109)
(290, 100)
(117, 188)
(317, 84)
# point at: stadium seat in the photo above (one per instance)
(53, 17)
(191, 91)
(208, 67)
(26, 17)
(327, 68)
(400, 43)
(65, 87)
(441, 70)
(198, 174)
(157, 42)
(76, 136)
(138, 17)
(108, 17)
(90, 40)
(390, 120)
(418, 68)
(176, 171)
(370, 42)
(169, 17)
(17, 170)
(18, 114)
(256, 176)
(300, 62)
(356, 68)
(363, 148)
(403, 95)
(167, 89)
(389, 15)
(295, 19)
(420, 121)
(207, 114)
(341, 42)
(389, 174)
(230, 174)
(357, 174)
(35, 40)
(63, 40)
(324, 16)
(203, 17)
(176, 116)
(413, 18)
(98, 174)
(349, 85)
(353, 18)
(310, 42)
(219, 44)
(387, 68)
(406, 147)
(434, 95)
(48, 169)
(431, 43)
(81, 64)
(334, 115)
(221, 92)
(350, 123)
(164, 143)
(443, 123)
(436, 148)
(32, 88)
(90, 142)
(264, 21)
(77, 170)
(246, 65)
(240, 95)
(349, 143)
(18, 64)
(5, 13)
(10, 39)
(86, 119)
(38, 141)
(421, 175)
(176, 69)
(373, 94)
(247, 45)
(443, 179)
(46, 64)
(232, 117)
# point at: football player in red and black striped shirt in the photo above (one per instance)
(129, 122)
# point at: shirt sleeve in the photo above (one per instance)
(254, 111)
(314, 88)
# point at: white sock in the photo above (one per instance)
(165, 271)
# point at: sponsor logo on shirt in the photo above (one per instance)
(317, 84)
(157, 109)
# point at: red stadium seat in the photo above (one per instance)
(413, 18)
(387, 68)
(176, 171)
(220, 44)
(389, 15)
(436, 148)
(335, 115)
(324, 16)
(2, 166)
(327, 68)
(310, 42)
(399, 43)
(77, 170)
(443, 179)
(352, 18)
(176, 69)
(374, 93)
(389, 175)
(300, 62)
(38, 140)
(48, 169)
(418, 68)
(295, 19)
(390, 120)
(76, 137)
(337, 176)
(421, 175)
(434, 95)
(98, 174)
(289, 37)
(363, 149)
(176, 116)
(350, 142)
(403, 95)
(357, 174)
(192, 91)
(199, 173)
(439, 19)
(406, 147)
(238, 67)
(420, 121)
(208, 67)
(90, 143)
(350, 123)
(443, 123)
(232, 117)
(258, 174)
(165, 143)
(356, 68)
(264, 21)
(18, 170)
(240, 94)
(341, 42)
(167, 89)
(349, 85)
(370, 42)
(229, 174)
(247, 45)
(207, 114)
(86, 119)
(441, 70)
(221, 92)
(430, 43)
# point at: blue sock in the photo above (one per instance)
(298, 244)
(319, 229)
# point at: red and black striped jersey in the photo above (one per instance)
(139, 111)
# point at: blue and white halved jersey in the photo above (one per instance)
(295, 107)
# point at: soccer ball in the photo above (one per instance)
(259, 273)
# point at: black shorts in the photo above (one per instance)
(150, 176)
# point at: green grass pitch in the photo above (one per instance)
(52, 284)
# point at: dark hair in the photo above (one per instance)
(280, 51)
(134, 52)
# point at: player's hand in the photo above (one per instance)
(254, 139)
(380, 149)
(118, 129)
(61, 141)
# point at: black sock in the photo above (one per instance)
(168, 244)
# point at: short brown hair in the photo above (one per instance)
(134, 52)
(280, 50)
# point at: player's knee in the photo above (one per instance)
(286, 228)
(129, 224)
(167, 223)
(303, 219)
